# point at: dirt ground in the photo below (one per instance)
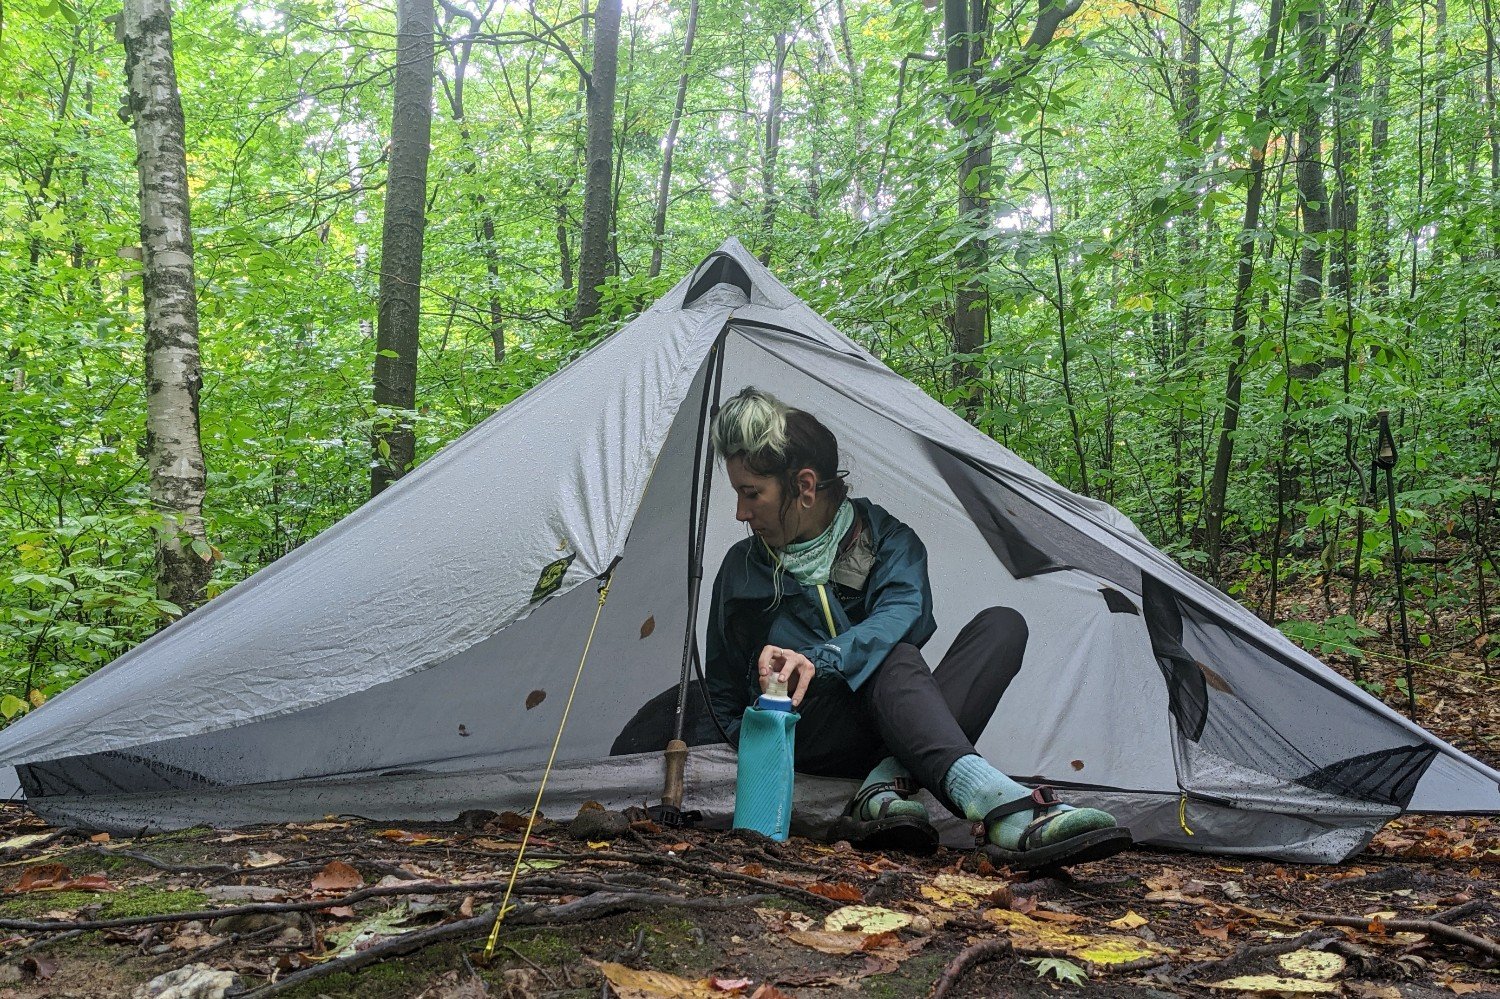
(346, 907)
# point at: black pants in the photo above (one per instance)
(927, 719)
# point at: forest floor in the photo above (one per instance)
(347, 907)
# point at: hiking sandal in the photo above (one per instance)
(906, 833)
(1093, 845)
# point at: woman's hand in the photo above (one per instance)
(786, 664)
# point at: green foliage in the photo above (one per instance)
(1059, 968)
(1110, 252)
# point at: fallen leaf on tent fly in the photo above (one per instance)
(840, 891)
(534, 698)
(648, 626)
(1129, 921)
(629, 983)
(270, 858)
(43, 877)
(337, 876)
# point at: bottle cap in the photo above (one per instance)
(775, 687)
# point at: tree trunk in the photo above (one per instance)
(174, 377)
(1346, 136)
(664, 185)
(397, 323)
(1189, 80)
(1312, 188)
(593, 250)
(773, 147)
(1380, 94)
(965, 28)
(1240, 313)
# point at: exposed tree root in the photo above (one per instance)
(969, 957)
(1473, 941)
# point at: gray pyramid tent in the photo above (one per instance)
(414, 660)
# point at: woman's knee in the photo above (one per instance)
(1001, 622)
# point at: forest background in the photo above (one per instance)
(1177, 254)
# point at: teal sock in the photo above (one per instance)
(889, 769)
(978, 788)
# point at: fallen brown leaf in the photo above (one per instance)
(337, 876)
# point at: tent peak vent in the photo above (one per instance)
(719, 269)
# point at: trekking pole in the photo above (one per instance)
(1385, 457)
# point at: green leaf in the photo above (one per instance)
(11, 705)
(1060, 968)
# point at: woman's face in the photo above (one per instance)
(758, 504)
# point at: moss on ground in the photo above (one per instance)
(546, 949)
(141, 900)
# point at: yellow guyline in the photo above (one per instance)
(489, 945)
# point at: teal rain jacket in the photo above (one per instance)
(894, 606)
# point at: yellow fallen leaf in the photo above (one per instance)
(963, 891)
(629, 983)
(18, 842)
(1273, 983)
(1129, 921)
(865, 919)
(599, 844)
(1098, 948)
(1319, 965)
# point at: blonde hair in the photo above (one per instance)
(752, 423)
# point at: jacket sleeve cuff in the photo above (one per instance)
(828, 658)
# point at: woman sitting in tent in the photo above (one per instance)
(830, 595)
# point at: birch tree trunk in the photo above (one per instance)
(396, 327)
(174, 377)
(593, 250)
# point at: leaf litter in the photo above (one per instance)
(1146, 920)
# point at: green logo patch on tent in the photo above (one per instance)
(550, 581)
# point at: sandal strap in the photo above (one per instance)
(901, 787)
(1040, 801)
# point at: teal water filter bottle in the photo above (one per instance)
(763, 785)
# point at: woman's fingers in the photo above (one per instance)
(805, 670)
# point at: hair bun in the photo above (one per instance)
(751, 423)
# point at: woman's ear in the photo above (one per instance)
(807, 487)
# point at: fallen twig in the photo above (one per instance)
(1431, 927)
(428, 888)
(974, 954)
(589, 907)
